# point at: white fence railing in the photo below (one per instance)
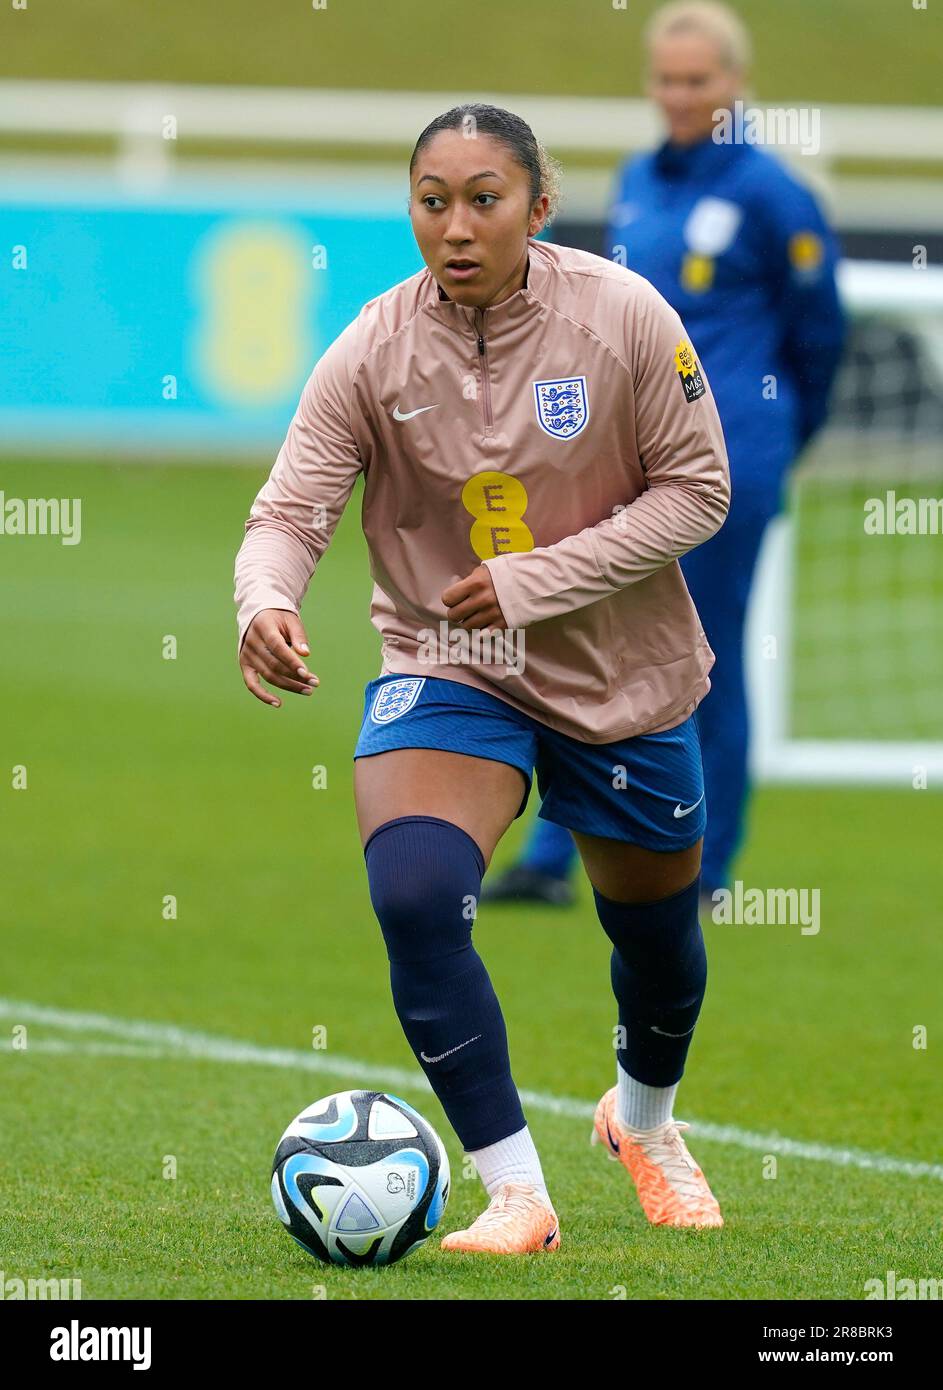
(136, 110)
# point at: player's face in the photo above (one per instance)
(689, 80)
(471, 211)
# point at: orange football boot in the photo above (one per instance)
(517, 1222)
(671, 1187)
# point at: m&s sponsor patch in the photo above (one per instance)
(689, 373)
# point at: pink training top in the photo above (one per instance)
(566, 438)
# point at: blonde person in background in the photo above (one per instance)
(742, 251)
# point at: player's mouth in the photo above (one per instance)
(462, 268)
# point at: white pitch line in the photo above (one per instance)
(142, 1039)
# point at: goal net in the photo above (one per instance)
(845, 630)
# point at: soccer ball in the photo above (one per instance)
(360, 1178)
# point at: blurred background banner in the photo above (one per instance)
(189, 317)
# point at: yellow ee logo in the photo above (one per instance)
(497, 501)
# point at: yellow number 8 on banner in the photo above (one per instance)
(255, 291)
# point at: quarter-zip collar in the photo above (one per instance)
(493, 320)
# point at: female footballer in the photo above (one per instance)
(539, 445)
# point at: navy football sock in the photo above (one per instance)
(425, 878)
(659, 975)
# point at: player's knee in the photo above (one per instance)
(424, 875)
(675, 975)
(660, 943)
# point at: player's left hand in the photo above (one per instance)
(472, 601)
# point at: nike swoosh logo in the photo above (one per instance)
(398, 414)
(687, 809)
(450, 1051)
(655, 1029)
(613, 1142)
(551, 1236)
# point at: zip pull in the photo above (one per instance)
(485, 384)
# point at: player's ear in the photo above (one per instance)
(538, 215)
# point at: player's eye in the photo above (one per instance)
(432, 199)
(492, 196)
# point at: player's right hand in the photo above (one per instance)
(273, 648)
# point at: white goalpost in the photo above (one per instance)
(844, 642)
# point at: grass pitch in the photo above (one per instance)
(150, 778)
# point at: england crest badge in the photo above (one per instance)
(562, 406)
(395, 698)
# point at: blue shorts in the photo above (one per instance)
(647, 790)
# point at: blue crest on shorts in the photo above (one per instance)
(395, 698)
(562, 406)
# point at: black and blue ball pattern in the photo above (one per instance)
(360, 1178)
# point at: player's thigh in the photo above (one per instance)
(479, 795)
(630, 874)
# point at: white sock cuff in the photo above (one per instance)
(639, 1106)
(513, 1159)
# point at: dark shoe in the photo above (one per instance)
(521, 885)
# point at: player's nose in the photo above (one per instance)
(458, 232)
